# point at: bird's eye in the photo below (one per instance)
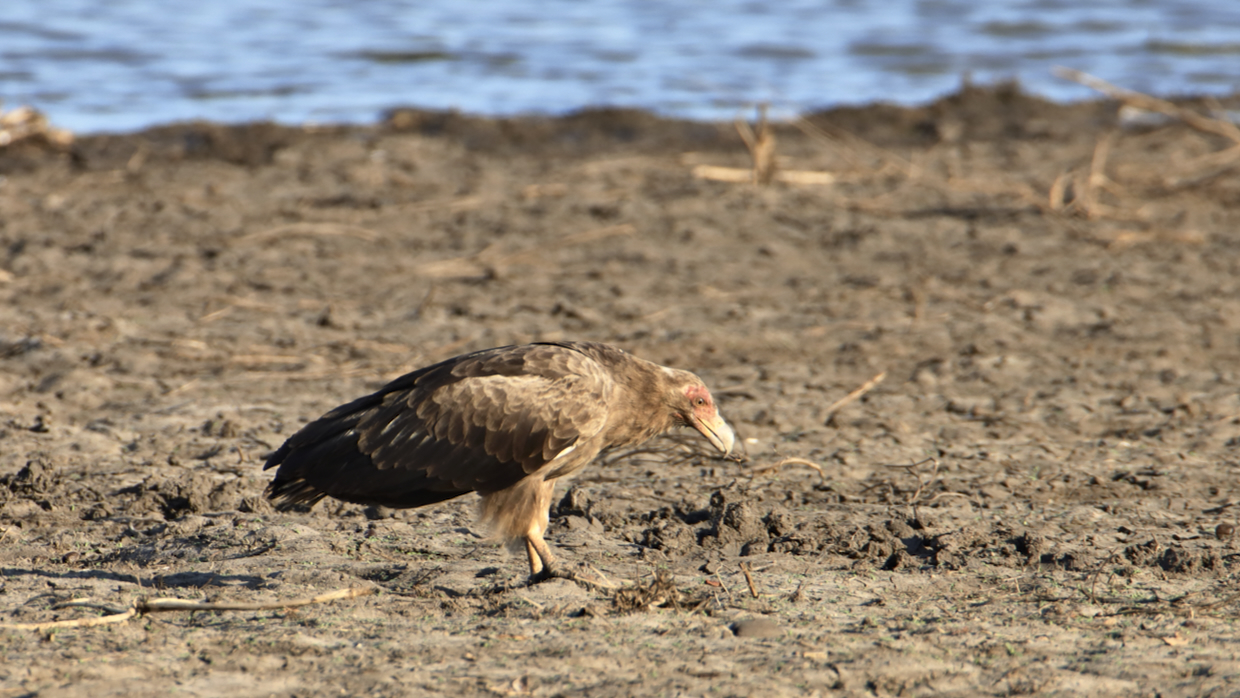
(700, 401)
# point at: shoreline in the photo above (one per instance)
(970, 113)
(882, 123)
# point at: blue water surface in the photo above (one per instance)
(122, 65)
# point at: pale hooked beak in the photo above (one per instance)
(716, 431)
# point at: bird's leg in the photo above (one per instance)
(520, 513)
(543, 565)
(541, 559)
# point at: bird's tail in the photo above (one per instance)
(288, 494)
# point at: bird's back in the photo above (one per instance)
(478, 422)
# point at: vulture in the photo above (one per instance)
(506, 423)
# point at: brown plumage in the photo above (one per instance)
(506, 423)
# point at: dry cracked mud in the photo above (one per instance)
(1038, 498)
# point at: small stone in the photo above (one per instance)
(1224, 531)
(756, 627)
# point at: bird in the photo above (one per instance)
(507, 423)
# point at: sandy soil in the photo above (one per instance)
(1038, 498)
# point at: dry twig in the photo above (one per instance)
(738, 175)
(1097, 176)
(145, 606)
(1143, 101)
(914, 470)
(853, 396)
(1203, 168)
(660, 591)
(24, 123)
(1196, 171)
(761, 147)
(753, 590)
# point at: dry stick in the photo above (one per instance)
(1097, 176)
(1143, 101)
(164, 605)
(761, 147)
(1203, 168)
(717, 173)
(1213, 164)
(795, 596)
(25, 122)
(753, 591)
(765, 169)
(912, 468)
(604, 582)
(79, 623)
(1124, 238)
(854, 395)
(1058, 188)
(1093, 577)
(745, 132)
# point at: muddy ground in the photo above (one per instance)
(1039, 497)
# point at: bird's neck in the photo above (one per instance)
(641, 409)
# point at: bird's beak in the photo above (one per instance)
(717, 432)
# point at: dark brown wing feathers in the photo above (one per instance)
(479, 422)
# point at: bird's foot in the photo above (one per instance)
(592, 579)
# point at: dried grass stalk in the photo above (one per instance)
(739, 175)
(854, 395)
(1143, 101)
(26, 123)
(145, 606)
(761, 145)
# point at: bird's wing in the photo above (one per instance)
(480, 422)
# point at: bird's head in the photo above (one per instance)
(696, 408)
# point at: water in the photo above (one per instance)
(122, 65)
